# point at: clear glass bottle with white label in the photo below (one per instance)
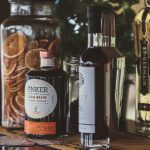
(141, 28)
(95, 84)
(46, 100)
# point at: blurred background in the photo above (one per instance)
(72, 14)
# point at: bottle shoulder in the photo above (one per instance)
(55, 72)
(100, 54)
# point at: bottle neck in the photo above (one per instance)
(47, 63)
(97, 40)
(34, 8)
(73, 65)
(108, 29)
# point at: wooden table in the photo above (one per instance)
(124, 141)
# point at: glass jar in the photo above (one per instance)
(30, 29)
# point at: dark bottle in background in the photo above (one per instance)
(117, 72)
(46, 100)
(96, 82)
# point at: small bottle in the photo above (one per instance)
(73, 72)
(46, 100)
(141, 27)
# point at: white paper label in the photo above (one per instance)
(86, 99)
(40, 98)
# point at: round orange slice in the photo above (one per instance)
(32, 58)
(14, 45)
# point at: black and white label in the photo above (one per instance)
(40, 98)
(86, 99)
(144, 66)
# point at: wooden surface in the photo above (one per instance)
(124, 141)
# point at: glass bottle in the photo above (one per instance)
(30, 29)
(73, 72)
(117, 72)
(141, 27)
(93, 119)
(46, 100)
(96, 82)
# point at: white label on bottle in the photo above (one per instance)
(45, 62)
(40, 98)
(86, 99)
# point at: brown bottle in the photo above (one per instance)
(46, 100)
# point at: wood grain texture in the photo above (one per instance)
(123, 142)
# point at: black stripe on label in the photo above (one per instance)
(144, 66)
(143, 106)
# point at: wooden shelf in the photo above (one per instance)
(123, 142)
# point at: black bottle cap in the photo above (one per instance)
(108, 24)
(94, 19)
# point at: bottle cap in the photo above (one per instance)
(44, 54)
(108, 24)
(94, 19)
(93, 12)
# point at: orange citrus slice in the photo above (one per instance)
(32, 58)
(10, 70)
(14, 45)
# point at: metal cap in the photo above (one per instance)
(94, 19)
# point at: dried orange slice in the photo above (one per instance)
(33, 45)
(32, 58)
(14, 45)
(10, 70)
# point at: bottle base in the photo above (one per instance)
(143, 128)
(88, 142)
(12, 126)
(143, 131)
(46, 137)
